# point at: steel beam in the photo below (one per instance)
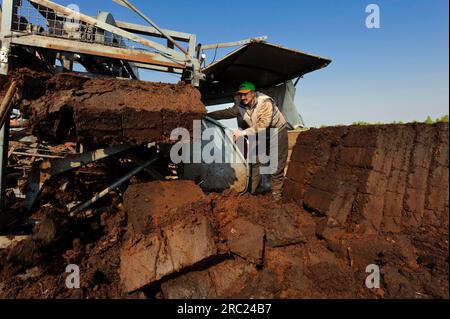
(130, 6)
(193, 45)
(4, 164)
(94, 49)
(150, 31)
(6, 104)
(113, 186)
(5, 30)
(233, 44)
(159, 68)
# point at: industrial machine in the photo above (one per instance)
(41, 32)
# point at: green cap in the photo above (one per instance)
(246, 87)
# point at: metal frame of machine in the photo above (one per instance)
(102, 45)
(47, 32)
(45, 24)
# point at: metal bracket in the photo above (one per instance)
(233, 44)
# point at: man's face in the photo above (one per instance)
(247, 98)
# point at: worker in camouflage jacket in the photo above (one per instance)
(257, 113)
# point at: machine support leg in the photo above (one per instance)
(4, 136)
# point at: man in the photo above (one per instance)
(257, 113)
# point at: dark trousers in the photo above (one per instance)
(277, 178)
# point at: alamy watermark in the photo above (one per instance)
(373, 20)
(73, 280)
(373, 279)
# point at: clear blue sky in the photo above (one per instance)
(398, 72)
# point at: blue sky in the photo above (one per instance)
(397, 72)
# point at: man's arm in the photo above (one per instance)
(226, 114)
(263, 120)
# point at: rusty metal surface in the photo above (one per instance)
(6, 104)
(94, 49)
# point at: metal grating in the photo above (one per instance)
(31, 18)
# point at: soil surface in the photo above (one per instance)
(170, 240)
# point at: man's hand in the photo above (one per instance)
(238, 133)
